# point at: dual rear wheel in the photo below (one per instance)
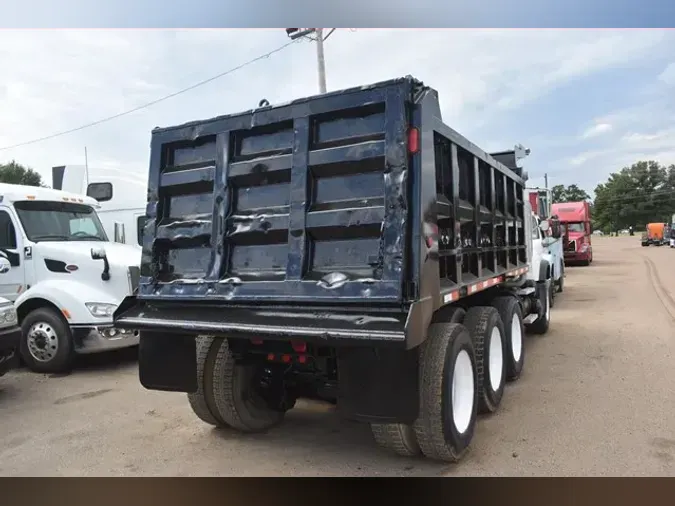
(463, 368)
(225, 395)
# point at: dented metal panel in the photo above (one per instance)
(325, 210)
(305, 201)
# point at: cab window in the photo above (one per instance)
(7, 231)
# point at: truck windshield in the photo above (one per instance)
(59, 221)
(576, 227)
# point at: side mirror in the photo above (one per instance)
(101, 192)
(5, 266)
(556, 229)
(544, 226)
(98, 254)
(119, 233)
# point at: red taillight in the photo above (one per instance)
(256, 340)
(432, 236)
(413, 141)
(299, 346)
(285, 359)
(302, 359)
(270, 357)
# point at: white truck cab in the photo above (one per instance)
(544, 244)
(66, 277)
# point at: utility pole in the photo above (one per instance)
(321, 62)
(296, 33)
(86, 168)
(546, 180)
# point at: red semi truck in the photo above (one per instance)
(575, 218)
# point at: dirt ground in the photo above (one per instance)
(595, 398)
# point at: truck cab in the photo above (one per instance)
(65, 277)
(575, 219)
(549, 243)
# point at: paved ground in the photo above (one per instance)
(596, 398)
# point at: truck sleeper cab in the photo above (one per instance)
(575, 218)
(348, 247)
(65, 279)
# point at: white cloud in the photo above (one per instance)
(668, 75)
(57, 80)
(596, 130)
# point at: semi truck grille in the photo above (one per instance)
(134, 277)
(571, 246)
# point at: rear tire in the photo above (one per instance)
(512, 317)
(202, 401)
(487, 333)
(236, 401)
(448, 394)
(397, 437)
(541, 324)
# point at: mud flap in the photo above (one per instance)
(378, 385)
(167, 362)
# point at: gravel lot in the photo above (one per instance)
(595, 399)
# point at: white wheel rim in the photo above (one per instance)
(462, 392)
(496, 359)
(516, 337)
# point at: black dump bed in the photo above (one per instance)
(359, 202)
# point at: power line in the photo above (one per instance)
(148, 104)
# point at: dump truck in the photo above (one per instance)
(575, 218)
(656, 234)
(348, 247)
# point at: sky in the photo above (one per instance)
(587, 102)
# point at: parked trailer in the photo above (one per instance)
(348, 247)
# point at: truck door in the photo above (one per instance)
(11, 282)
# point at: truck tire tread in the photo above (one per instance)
(508, 306)
(397, 437)
(202, 401)
(436, 435)
(237, 410)
(479, 321)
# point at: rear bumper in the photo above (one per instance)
(574, 256)
(96, 339)
(322, 327)
(9, 344)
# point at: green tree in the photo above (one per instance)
(571, 193)
(636, 195)
(15, 173)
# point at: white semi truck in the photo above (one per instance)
(65, 277)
